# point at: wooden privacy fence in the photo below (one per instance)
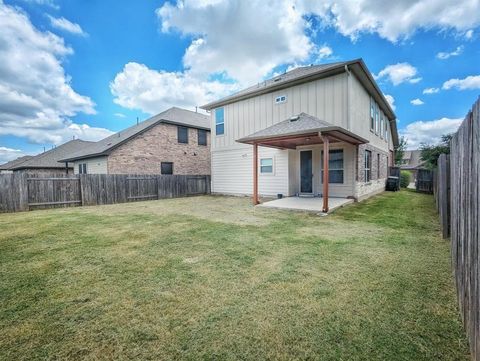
(424, 182)
(464, 215)
(441, 191)
(23, 192)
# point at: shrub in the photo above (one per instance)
(404, 178)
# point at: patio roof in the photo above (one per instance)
(301, 129)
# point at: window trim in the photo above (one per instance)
(181, 127)
(161, 170)
(219, 123)
(202, 131)
(82, 168)
(332, 169)
(260, 166)
(367, 166)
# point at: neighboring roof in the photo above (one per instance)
(297, 125)
(51, 158)
(414, 158)
(313, 72)
(15, 162)
(173, 115)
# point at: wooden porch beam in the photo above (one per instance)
(326, 158)
(255, 174)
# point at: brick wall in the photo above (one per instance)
(144, 153)
(379, 171)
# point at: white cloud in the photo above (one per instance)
(37, 104)
(66, 25)
(470, 82)
(417, 101)
(325, 52)
(430, 90)
(8, 154)
(469, 34)
(243, 39)
(391, 101)
(139, 87)
(399, 73)
(445, 55)
(394, 20)
(49, 3)
(120, 115)
(429, 132)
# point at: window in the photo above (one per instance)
(202, 137)
(382, 123)
(266, 166)
(386, 129)
(219, 121)
(368, 166)
(182, 134)
(166, 168)
(280, 99)
(82, 168)
(372, 114)
(335, 166)
(378, 165)
(377, 120)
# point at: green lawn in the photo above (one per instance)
(212, 278)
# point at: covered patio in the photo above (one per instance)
(301, 130)
(306, 204)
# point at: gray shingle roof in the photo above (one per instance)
(15, 162)
(278, 80)
(172, 116)
(50, 158)
(414, 158)
(300, 124)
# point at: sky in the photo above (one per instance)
(87, 68)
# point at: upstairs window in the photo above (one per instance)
(82, 168)
(377, 118)
(202, 137)
(335, 166)
(266, 166)
(386, 129)
(166, 168)
(368, 166)
(372, 114)
(182, 134)
(219, 121)
(382, 124)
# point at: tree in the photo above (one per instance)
(400, 150)
(430, 153)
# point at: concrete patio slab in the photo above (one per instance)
(306, 204)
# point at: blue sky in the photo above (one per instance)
(87, 68)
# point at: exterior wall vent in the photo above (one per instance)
(294, 118)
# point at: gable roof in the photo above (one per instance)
(414, 158)
(310, 73)
(173, 115)
(15, 162)
(300, 124)
(51, 158)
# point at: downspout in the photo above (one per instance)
(348, 96)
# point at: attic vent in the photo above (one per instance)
(277, 79)
(109, 143)
(294, 118)
(280, 99)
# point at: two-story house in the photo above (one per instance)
(176, 141)
(324, 130)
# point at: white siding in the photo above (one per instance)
(232, 171)
(94, 165)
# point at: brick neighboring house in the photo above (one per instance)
(176, 141)
(47, 163)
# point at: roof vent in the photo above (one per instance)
(277, 79)
(294, 118)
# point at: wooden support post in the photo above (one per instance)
(255, 174)
(326, 157)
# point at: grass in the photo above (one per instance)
(211, 278)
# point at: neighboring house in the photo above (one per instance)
(176, 141)
(49, 162)
(412, 161)
(283, 125)
(5, 168)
